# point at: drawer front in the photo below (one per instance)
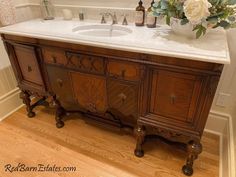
(174, 96)
(86, 63)
(124, 70)
(54, 56)
(28, 63)
(123, 100)
(77, 61)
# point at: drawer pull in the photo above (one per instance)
(173, 99)
(30, 69)
(60, 82)
(54, 59)
(123, 73)
(123, 97)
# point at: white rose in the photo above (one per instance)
(196, 10)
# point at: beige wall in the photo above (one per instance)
(9, 93)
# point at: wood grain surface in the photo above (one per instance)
(93, 151)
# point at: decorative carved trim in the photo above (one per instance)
(90, 61)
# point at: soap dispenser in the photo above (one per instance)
(47, 10)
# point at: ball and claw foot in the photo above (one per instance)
(31, 114)
(139, 153)
(60, 124)
(188, 171)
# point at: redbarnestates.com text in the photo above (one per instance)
(20, 167)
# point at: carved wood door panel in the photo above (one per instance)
(90, 91)
(60, 85)
(173, 97)
(123, 100)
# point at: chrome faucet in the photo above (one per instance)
(113, 17)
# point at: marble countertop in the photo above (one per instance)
(159, 41)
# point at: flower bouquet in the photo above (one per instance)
(200, 15)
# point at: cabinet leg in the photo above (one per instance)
(25, 96)
(140, 136)
(60, 112)
(194, 149)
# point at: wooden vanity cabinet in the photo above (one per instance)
(154, 95)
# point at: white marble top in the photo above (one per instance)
(159, 41)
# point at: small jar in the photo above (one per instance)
(47, 10)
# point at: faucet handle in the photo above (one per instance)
(125, 22)
(103, 18)
(115, 21)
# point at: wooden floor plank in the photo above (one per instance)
(92, 150)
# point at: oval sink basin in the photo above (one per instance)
(102, 30)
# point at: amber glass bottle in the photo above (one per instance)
(151, 19)
(140, 14)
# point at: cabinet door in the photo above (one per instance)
(26, 62)
(90, 91)
(60, 84)
(123, 100)
(174, 97)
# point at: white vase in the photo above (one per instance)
(183, 30)
(7, 12)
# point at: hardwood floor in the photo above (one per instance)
(94, 152)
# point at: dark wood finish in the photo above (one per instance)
(124, 70)
(163, 96)
(90, 91)
(194, 149)
(123, 100)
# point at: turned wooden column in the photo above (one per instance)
(194, 149)
(139, 133)
(25, 96)
(60, 112)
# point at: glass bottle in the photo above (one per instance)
(151, 19)
(47, 10)
(140, 14)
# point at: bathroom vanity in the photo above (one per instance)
(163, 87)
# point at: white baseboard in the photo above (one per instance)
(9, 103)
(221, 124)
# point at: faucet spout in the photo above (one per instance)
(113, 18)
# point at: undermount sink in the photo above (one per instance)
(102, 30)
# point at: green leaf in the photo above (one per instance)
(199, 33)
(231, 2)
(184, 21)
(201, 30)
(164, 4)
(212, 19)
(156, 4)
(204, 30)
(156, 14)
(196, 27)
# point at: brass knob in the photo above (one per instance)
(172, 98)
(123, 97)
(60, 82)
(54, 59)
(30, 69)
(123, 73)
